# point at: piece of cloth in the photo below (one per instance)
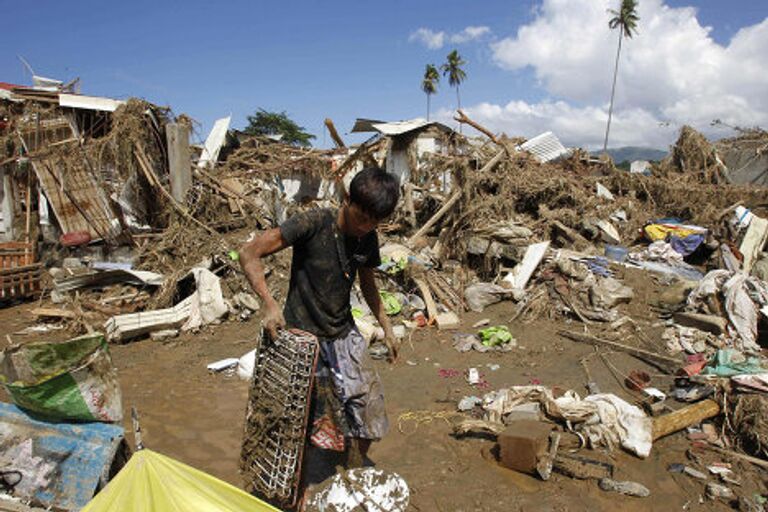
(730, 362)
(605, 419)
(744, 296)
(323, 269)
(347, 394)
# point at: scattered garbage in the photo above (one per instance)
(362, 489)
(153, 253)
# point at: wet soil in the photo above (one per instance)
(197, 417)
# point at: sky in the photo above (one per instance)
(532, 66)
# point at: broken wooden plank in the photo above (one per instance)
(522, 273)
(334, 134)
(428, 299)
(77, 199)
(146, 168)
(668, 364)
(54, 313)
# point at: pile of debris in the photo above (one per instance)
(139, 232)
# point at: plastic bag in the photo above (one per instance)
(67, 380)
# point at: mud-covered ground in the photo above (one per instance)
(197, 417)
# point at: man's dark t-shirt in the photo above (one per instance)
(323, 269)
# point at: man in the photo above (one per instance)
(330, 247)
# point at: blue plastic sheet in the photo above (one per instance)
(62, 464)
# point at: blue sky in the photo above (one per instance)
(348, 59)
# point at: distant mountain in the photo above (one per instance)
(631, 153)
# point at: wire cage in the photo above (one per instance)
(277, 415)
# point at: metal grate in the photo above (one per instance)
(277, 414)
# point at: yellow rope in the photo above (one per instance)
(422, 417)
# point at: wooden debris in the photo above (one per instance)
(334, 134)
(450, 202)
(54, 313)
(582, 468)
(428, 299)
(685, 417)
(665, 363)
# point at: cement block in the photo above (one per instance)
(522, 444)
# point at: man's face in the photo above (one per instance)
(358, 222)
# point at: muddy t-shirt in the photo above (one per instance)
(323, 269)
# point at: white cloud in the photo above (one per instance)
(469, 34)
(430, 39)
(436, 40)
(670, 72)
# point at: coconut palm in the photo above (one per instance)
(429, 83)
(625, 19)
(456, 75)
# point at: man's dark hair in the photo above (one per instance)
(375, 191)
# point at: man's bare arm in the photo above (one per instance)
(371, 296)
(265, 243)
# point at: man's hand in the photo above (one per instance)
(273, 320)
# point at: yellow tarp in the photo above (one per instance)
(151, 482)
(656, 232)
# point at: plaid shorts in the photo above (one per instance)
(347, 398)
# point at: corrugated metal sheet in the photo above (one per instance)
(89, 102)
(396, 127)
(545, 147)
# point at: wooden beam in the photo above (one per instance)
(334, 134)
(662, 362)
(462, 118)
(684, 418)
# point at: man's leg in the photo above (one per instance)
(359, 387)
(357, 452)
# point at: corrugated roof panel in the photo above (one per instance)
(545, 147)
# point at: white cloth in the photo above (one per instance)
(605, 419)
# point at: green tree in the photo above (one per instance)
(456, 75)
(429, 83)
(278, 123)
(625, 19)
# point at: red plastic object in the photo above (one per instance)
(637, 380)
(75, 238)
(692, 369)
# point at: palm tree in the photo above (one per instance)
(429, 83)
(626, 20)
(456, 75)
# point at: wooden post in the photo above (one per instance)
(334, 134)
(7, 203)
(179, 160)
(685, 417)
(408, 203)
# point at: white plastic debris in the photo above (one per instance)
(362, 489)
(245, 365)
(222, 364)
